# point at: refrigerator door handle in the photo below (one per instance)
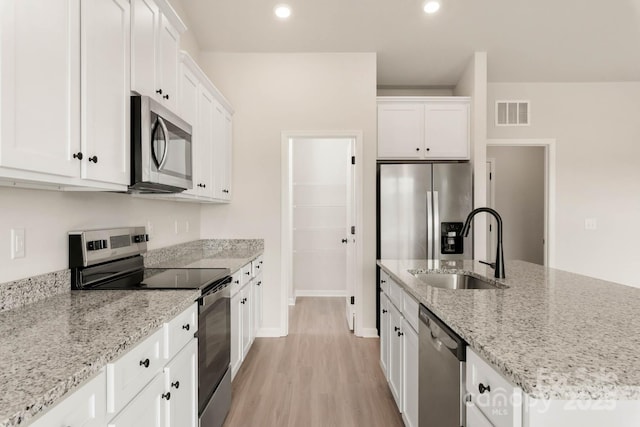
(429, 226)
(436, 226)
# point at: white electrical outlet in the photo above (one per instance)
(590, 224)
(17, 243)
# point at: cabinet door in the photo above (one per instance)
(222, 153)
(146, 410)
(188, 108)
(409, 375)
(395, 355)
(105, 90)
(182, 382)
(384, 334)
(169, 45)
(475, 417)
(86, 407)
(236, 333)
(257, 304)
(145, 19)
(447, 130)
(246, 319)
(400, 130)
(206, 108)
(40, 91)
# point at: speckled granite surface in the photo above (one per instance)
(214, 253)
(26, 291)
(50, 347)
(555, 334)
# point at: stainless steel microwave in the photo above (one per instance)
(161, 155)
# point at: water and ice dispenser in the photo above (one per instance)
(451, 239)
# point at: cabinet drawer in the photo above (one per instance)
(410, 309)
(86, 407)
(496, 401)
(246, 274)
(129, 374)
(395, 294)
(384, 282)
(179, 331)
(256, 266)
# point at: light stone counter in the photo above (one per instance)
(50, 347)
(555, 334)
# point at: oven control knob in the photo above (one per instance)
(97, 244)
(104, 244)
(90, 246)
(146, 237)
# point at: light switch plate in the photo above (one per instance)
(17, 243)
(590, 224)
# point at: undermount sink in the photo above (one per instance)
(456, 281)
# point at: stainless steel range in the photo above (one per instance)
(112, 259)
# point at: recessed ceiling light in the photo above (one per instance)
(282, 11)
(431, 6)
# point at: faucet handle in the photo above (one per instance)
(490, 264)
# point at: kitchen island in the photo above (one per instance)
(556, 335)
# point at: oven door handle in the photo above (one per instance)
(210, 298)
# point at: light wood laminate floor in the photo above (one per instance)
(319, 375)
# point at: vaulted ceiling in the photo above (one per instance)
(526, 40)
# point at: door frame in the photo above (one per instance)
(286, 234)
(549, 145)
(491, 202)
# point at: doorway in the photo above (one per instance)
(521, 187)
(320, 219)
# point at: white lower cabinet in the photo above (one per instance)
(384, 333)
(395, 355)
(146, 409)
(181, 381)
(86, 407)
(246, 311)
(409, 375)
(399, 347)
(475, 417)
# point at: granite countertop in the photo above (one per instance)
(220, 253)
(50, 347)
(555, 334)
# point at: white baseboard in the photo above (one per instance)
(292, 300)
(269, 333)
(368, 333)
(305, 293)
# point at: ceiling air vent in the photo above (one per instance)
(512, 113)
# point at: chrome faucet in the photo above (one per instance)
(498, 266)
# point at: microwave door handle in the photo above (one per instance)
(166, 143)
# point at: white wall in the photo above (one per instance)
(47, 217)
(518, 177)
(272, 93)
(188, 41)
(598, 174)
(473, 83)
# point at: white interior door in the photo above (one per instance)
(322, 210)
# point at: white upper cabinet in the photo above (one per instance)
(105, 89)
(145, 22)
(188, 109)
(40, 95)
(222, 153)
(155, 42)
(65, 103)
(204, 171)
(424, 128)
(169, 46)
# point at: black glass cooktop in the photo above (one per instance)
(167, 278)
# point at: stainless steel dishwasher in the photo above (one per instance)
(442, 358)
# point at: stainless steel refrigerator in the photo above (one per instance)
(421, 210)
